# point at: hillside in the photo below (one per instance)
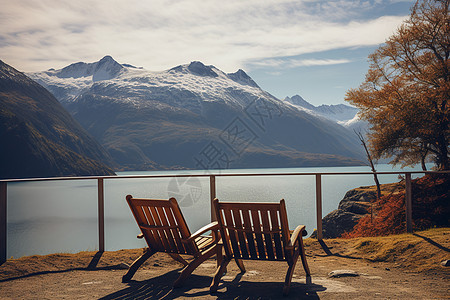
(194, 116)
(39, 137)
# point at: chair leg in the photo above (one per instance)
(304, 262)
(136, 264)
(290, 272)
(240, 264)
(219, 272)
(219, 255)
(178, 258)
(193, 265)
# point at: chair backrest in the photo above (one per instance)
(256, 231)
(162, 225)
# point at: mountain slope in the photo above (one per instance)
(340, 113)
(178, 116)
(39, 137)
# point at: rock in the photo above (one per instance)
(337, 222)
(355, 204)
(360, 208)
(446, 263)
(342, 273)
(360, 195)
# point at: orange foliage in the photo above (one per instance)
(406, 94)
(431, 208)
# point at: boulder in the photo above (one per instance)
(338, 222)
(355, 204)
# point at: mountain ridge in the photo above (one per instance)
(39, 137)
(169, 116)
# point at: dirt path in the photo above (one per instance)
(67, 276)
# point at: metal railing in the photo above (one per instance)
(212, 194)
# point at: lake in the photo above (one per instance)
(61, 216)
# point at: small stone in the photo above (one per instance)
(446, 263)
(387, 269)
(343, 273)
(156, 265)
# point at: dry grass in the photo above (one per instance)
(386, 189)
(418, 252)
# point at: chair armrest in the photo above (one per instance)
(214, 226)
(299, 231)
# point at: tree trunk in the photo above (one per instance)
(369, 158)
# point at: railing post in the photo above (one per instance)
(408, 202)
(3, 216)
(212, 195)
(319, 206)
(101, 215)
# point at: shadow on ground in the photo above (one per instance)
(432, 242)
(91, 267)
(197, 286)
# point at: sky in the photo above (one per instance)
(313, 48)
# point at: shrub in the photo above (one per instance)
(430, 208)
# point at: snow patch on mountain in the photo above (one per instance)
(105, 69)
(242, 78)
(181, 86)
(339, 113)
(356, 124)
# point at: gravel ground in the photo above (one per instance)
(88, 275)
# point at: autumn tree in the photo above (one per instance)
(406, 91)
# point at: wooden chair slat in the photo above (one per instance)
(249, 206)
(284, 224)
(239, 230)
(232, 234)
(161, 231)
(175, 232)
(249, 233)
(159, 246)
(142, 220)
(152, 235)
(203, 242)
(184, 230)
(191, 248)
(267, 236)
(167, 229)
(258, 234)
(276, 236)
(155, 202)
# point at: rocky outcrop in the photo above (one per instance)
(354, 205)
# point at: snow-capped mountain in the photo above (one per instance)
(173, 116)
(339, 113)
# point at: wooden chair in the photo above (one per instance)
(164, 229)
(258, 231)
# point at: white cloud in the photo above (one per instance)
(159, 34)
(292, 63)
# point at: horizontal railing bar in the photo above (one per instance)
(100, 188)
(219, 175)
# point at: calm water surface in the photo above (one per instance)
(61, 216)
